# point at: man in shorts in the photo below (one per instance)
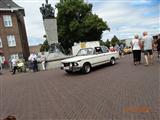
(148, 46)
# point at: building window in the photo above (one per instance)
(14, 56)
(1, 43)
(7, 21)
(11, 40)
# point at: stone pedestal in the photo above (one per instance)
(50, 26)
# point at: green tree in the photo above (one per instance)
(108, 43)
(102, 43)
(77, 23)
(114, 41)
(44, 47)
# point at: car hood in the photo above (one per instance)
(76, 58)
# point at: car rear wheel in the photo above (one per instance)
(86, 68)
(112, 61)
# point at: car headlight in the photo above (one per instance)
(62, 65)
(75, 64)
(70, 65)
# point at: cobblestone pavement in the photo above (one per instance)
(119, 92)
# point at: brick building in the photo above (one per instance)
(13, 38)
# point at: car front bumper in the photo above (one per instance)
(71, 68)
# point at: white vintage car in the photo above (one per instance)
(87, 58)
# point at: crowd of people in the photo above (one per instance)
(145, 44)
(15, 64)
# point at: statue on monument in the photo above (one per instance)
(47, 10)
(50, 25)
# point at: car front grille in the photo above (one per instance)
(66, 64)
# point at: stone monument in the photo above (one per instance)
(50, 25)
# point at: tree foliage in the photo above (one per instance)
(102, 43)
(44, 47)
(107, 43)
(115, 41)
(77, 23)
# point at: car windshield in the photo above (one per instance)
(85, 51)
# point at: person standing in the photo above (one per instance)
(148, 48)
(30, 62)
(116, 47)
(6, 64)
(43, 61)
(14, 65)
(136, 48)
(35, 62)
(121, 50)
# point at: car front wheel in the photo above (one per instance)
(86, 68)
(112, 61)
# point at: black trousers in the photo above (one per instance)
(136, 55)
(14, 69)
(35, 66)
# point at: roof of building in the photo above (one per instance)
(6, 5)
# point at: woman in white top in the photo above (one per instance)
(14, 65)
(43, 61)
(136, 47)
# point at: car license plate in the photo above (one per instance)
(66, 68)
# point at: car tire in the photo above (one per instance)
(112, 61)
(86, 68)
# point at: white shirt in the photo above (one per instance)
(32, 57)
(148, 42)
(14, 62)
(135, 44)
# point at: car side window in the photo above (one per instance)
(83, 52)
(104, 49)
(98, 50)
(90, 51)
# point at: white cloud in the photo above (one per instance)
(126, 20)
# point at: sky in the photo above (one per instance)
(125, 17)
